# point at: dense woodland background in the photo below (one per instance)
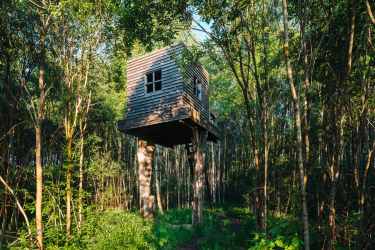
(292, 83)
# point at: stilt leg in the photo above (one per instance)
(199, 144)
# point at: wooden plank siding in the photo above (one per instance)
(138, 102)
(200, 105)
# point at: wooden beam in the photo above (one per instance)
(204, 123)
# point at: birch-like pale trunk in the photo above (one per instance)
(304, 217)
(142, 162)
(369, 12)
(80, 175)
(213, 173)
(38, 142)
(157, 181)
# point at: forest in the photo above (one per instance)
(292, 83)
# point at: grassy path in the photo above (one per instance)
(196, 243)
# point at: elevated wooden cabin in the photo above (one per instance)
(160, 105)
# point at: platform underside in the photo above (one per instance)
(169, 127)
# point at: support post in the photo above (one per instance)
(199, 145)
(191, 164)
(145, 170)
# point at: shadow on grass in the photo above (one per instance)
(117, 229)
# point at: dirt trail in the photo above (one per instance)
(195, 244)
(234, 222)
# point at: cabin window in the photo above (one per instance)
(197, 88)
(153, 82)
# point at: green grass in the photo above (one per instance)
(115, 229)
(175, 216)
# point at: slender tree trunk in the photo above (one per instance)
(18, 205)
(304, 217)
(362, 194)
(213, 173)
(142, 163)
(157, 181)
(168, 172)
(303, 20)
(80, 176)
(369, 12)
(68, 179)
(208, 190)
(219, 172)
(177, 159)
(335, 170)
(224, 170)
(38, 142)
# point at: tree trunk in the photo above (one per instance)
(18, 205)
(304, 217)
(218, 173)
(68, 179)
(167, 172)
(80, 176)
(147, 172)
(208, 190)
(38, 143)
(177, 160)
(157, 182)
(199, 145)
(143, 178)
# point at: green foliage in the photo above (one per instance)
(114, 229)
(149, 22)
(283, 236)
(175, 216)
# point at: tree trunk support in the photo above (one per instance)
(199, 145)
(145, 156)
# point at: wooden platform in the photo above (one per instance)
(169, 127)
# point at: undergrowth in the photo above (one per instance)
(115, 229)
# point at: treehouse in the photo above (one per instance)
(165, 108)
(161, 106)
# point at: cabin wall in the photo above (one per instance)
(200, 105)
(138, 102)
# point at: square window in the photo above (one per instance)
(149, 78)
(153, 82)
(158, 75)
(149, 88)
(157, 86)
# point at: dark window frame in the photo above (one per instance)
(197, 87)
(157, 84)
